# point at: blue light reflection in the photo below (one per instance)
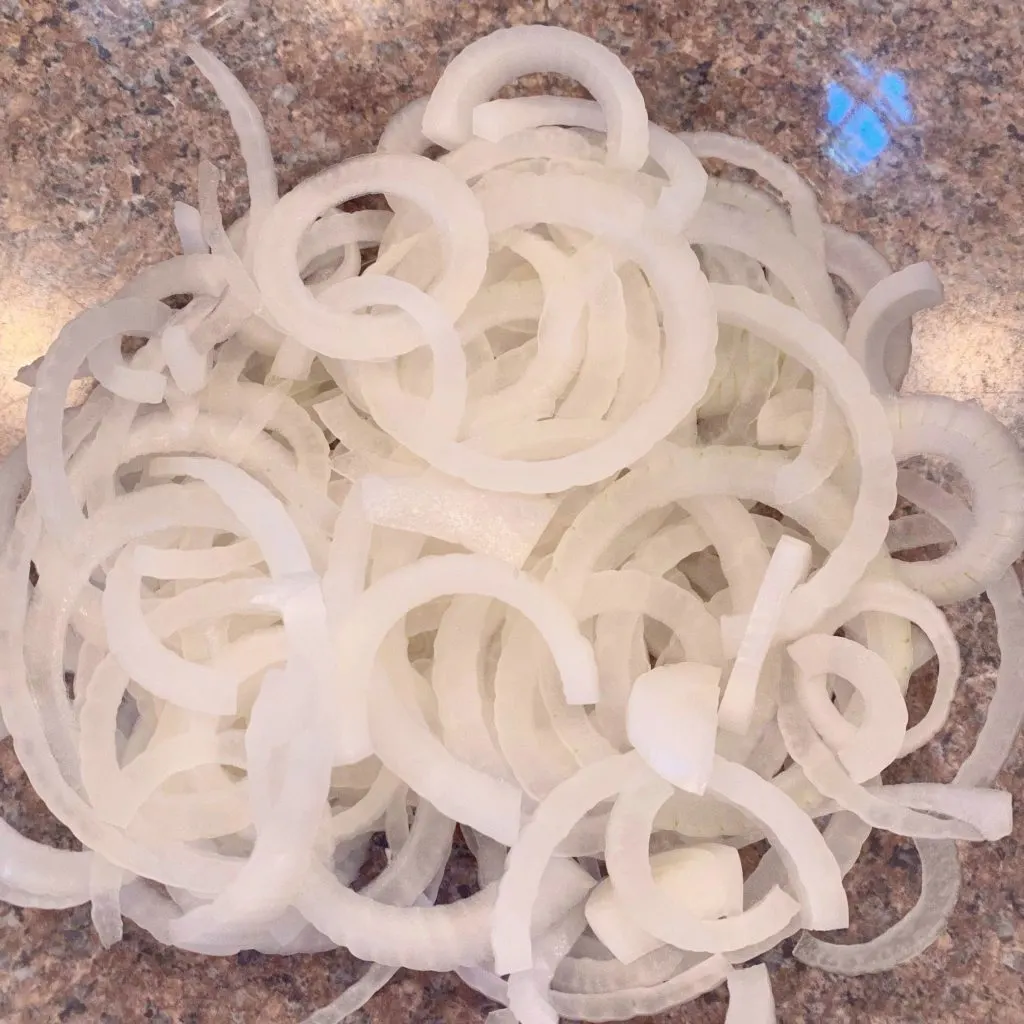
(862, 116)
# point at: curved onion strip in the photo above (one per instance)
(825, 774)
(1006, 711)
(139, 652)
(750, 997)
(867, 748)
(788, 566)
(866, 533)
(860, 266)
(892, 301)
(652, 908)
(481, 69)
(705, 880)
(797, 193)
(189, 225)
(435, 938)
(405, 745)
(59, 508)
(248, 125)
(989, 457)
(912, 935)
(812, 869)
(685, 986)
(384, 603)
(896, 599)
(550, 823)
(677, 202)
(459, 221)
(355, 997)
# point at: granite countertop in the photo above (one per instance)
(101, 126)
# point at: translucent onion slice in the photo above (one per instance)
(429, 938)
(1005, 714)
(794, 189)
(861, 266)
(355, 997)
(44, 418)
(105, 882)
(790, 332)
(34, 869)
(487, 64)
(894, 598)
(624, 1004)
(989, 457)
(189, 225)
(248, 125)
(812, 869)
(825, 774)
(549, 825)
(910, 936)
(750, 997)
(188, 367)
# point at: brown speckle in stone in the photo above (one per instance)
(74, 1007)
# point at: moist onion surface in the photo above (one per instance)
(548, 513)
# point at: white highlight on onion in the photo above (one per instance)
(707, 880)
(529, 592)
(672, 721)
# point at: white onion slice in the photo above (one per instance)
(105, 882)
(506, 527)
(648, 904)
(867, 748)
(788, 566)
(892, 301)
(141, 654)
(440, 193)
(678, 200)
(406, 747)
(58, 505)
(189, 225)
(989, 457)
(248, 125)
(750, 997)
(383, 604)
(481, 69)
(706, 880)
(672, 721)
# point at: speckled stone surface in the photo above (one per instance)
(101, 124)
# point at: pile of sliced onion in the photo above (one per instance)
(539, 524)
